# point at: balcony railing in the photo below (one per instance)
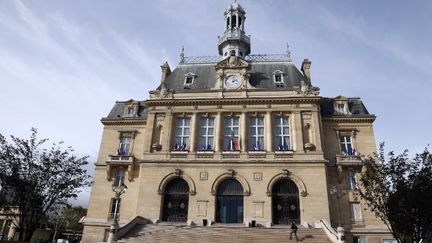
(237, 34)
(349, 160)
(120, 159)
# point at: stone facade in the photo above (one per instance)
(257, 121)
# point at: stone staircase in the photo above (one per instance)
(172, 233)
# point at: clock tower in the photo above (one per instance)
(234, 38)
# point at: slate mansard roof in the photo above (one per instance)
(355, 106)
(118, 110)
(261, 75)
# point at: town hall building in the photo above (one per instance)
(235, 139)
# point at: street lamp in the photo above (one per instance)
(334, 192)
(118, 190)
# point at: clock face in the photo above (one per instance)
(232, 82)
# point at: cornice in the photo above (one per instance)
(122, 121)
(351, 119)
(230, 101)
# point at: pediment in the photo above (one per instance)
(340, 97)
(232, 62)
(132, 102)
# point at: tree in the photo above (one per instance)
(399, 191)
(73, 216)
(56, 219)
(35, 177)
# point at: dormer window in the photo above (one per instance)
(278, 78)
(130, 112)
(340, 106)
(189, 79)
(131, 108)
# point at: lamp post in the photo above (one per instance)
(118, 190)
(340, 230)
(334, 192)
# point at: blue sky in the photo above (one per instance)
(63, 64)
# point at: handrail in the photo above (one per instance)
(125, 228)
(330, 232)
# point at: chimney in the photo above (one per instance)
(166, 71)
(305, 67)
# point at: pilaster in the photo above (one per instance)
(218, 132)
(149, 132)
(193, 132)
(244, 132)
(297, 132)
(268, 131)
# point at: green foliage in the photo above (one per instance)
(34, 178)
(73, 216)
(399, 191)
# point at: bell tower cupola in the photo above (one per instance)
(234, 40)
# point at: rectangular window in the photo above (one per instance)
(130, 112)
(356, 213)
(346, 145)
(119, 177)
(231, 133)
(360, 239)
(125, 144)
(115, 208)
(341, 108)
(256, 133)
(206, 134)
(182, 131)
(351, 180)
(282, 133)
(189, 80)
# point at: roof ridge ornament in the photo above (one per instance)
(288, 52)
(182, 56)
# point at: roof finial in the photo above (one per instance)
(288, 52)
(182, 57)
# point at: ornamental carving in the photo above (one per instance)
(164, 92)
(307, 90)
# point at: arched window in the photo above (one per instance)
(233, 21)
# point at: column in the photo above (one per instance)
(268, 131)
(243, 132)
(218, 132)
(193, 132)
(298, 132)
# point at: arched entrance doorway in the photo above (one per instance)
(175, 201)
(285, 202)
(229, 202)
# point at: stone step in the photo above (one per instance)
(173, 233)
